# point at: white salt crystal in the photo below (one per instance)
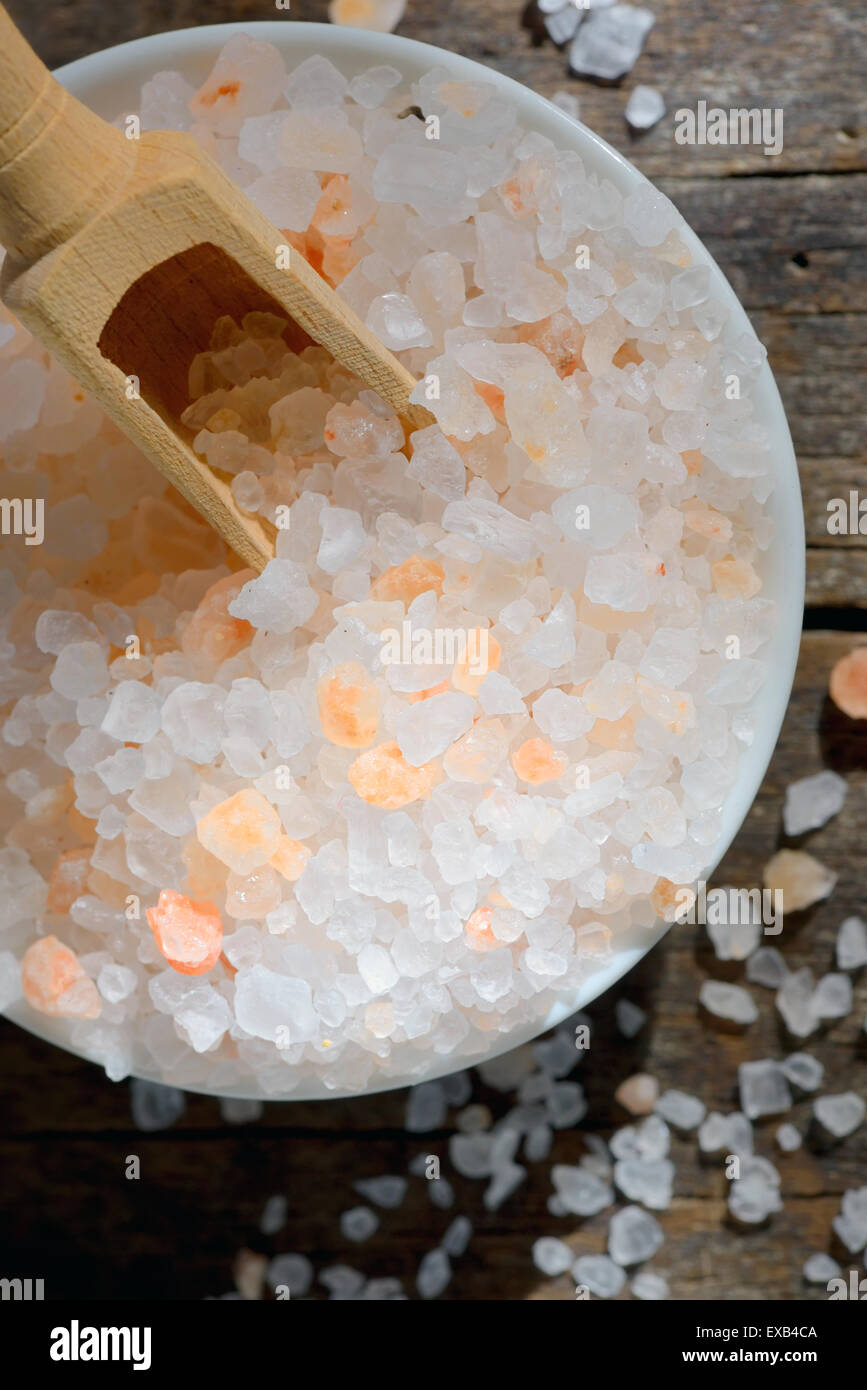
(279, 599)
(133, 713)
(803, 1071)
(840, 1115)
(275, 1007)
(645, 108)
(291, 1271)
(728, 1002)
(764, 1089)
(633, 1236)
(434, 1274)
(609, 42)
(599, 1274)
(820, 1269)
(649, 1287)
(852, 944)
(274, 1215)
(426, 729)
(812, 801)
(358, 1224)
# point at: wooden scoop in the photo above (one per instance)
(123, 253)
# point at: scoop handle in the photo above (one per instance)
(58, 161)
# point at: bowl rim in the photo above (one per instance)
(91, 77)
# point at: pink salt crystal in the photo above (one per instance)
(800, 878)
(290, 858)
(348, 706)
(68, 879)
(212, 634)
(189, 934)
(383, 777)
(246, 80)
(638, 1094)
(242, 832)
(55, 983)
(382, 15)
(848, 687)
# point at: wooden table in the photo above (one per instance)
(790, 234)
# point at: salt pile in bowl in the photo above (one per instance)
(387, 803)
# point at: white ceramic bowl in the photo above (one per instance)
(110, 81)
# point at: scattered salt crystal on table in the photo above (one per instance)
(387, 1191)
(851, 1223)
(755, 1194)
(812, 801)
(833, 996)
(767, 967)
(599, 1274)
(840, 1115)
(552, 1256)
(638, 1094)
(434, 1274)
(633, 1236)
(820, 1269)
(358, 1224)
(274, 1215)
(683, 1111)
(848, 688)
(382, 15)
(788, 1138)
(729, 1002)
(293, 1271)
(803, 1071)
(764, 1089)
(630, 1018)
(800, 878)
(610, 41)
(457, 1236)
(650, 1287)
(852, 944)
(796, 1002)
(645, 108)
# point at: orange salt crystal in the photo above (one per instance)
(332, 216)
(338, 258)
(497, 899)
(671, 900)
(348, 706)
(560, 338)
(493, 397)
(189, 934)
(614, 733)
(536, 762)
(481, 656)
(704, 521)
(735, 578)
(478, 933)
(692, 461)
(212, 633)
(68, 879)
(626, 353)
(417, 696)
(206, 876)
(290, 858)
(406, 581)
(848, 687)
(383, 777)
(54, 981)
(242, 832)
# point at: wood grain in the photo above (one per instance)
(67, 1131)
